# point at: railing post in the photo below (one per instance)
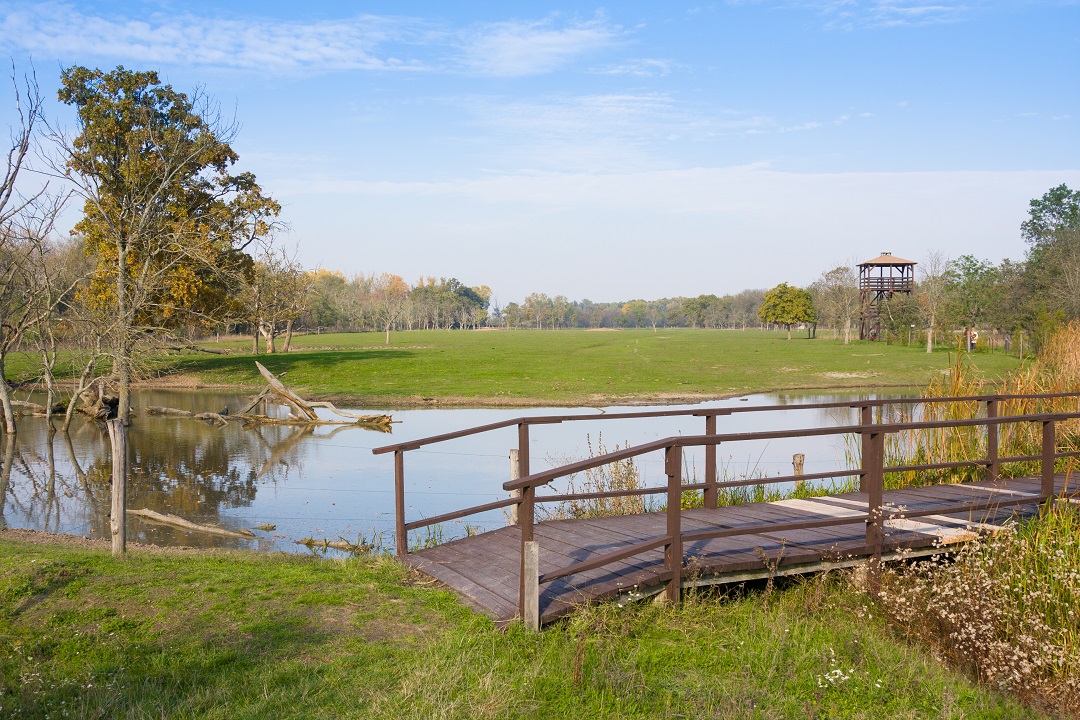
(874, 482)
(710, 499)
(866, 417)
(673, 550)
(525, 513)
(1048, 442)
(993, 468)
(401, 535)
(531, 610)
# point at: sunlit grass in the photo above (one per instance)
(576, 367)
(222, 635)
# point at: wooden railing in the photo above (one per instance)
(871, 473)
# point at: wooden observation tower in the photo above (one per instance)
(879, 280)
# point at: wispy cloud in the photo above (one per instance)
(855, 14)
(63, 31)
(363, 42)
(516, 48)
(646, 67)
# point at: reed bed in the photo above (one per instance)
(1056, 370)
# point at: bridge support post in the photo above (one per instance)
(531, 611)
(525, 511)
(401, 535)
(710, 498)
(1048, 442)
(673, 554)
(993, 467)
(874, 482)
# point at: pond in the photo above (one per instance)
(325, 483)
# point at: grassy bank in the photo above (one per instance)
(190, 635)
(574, 367)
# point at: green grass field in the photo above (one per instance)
(574, 367)
(215, 635)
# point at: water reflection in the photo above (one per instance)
(323, 481)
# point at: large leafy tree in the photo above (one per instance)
(166, 221)
(972, 286)
(1052, 278)
(787, 305)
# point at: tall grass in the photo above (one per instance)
(1056, 370)
(622, 475)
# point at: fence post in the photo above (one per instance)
(992, 465)
(798, 463)
(1048, 441)
(710, 499)
(516, 493)
(118, 516)
(531, 611)
(401, 535)
(866, 417)
(673, 551)
(874, 481)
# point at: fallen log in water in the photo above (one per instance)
(357, 547)
(188, 525)
(171, 412)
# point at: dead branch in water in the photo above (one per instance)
(303, 411)
(188, 525)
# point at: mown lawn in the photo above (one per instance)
(212, 635)
(575, 367)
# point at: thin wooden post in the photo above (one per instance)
(798, 461)
(516, 493)
(710, 499)
(874, 481)
(993, 467)
(118, 517)
(673, 550)
(531, 611)
(866, 417)
(401, 535)
(1048, 441)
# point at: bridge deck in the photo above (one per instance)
(484, 569)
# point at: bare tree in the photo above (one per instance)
(836, 294)
(277, 291)
(390, 293)
(933, 291)
(26, 223)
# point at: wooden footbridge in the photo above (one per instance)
(539, 571)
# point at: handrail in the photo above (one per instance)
(871, 472)
(699, 412)
(545, 477)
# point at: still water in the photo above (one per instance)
(324, 482)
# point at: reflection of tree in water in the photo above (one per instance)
(62, 483)
(45, 492)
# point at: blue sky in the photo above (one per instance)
(610, 152)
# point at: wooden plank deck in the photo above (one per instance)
(484, 569)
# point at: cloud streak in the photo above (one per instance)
(364, 42)
(514, 49)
